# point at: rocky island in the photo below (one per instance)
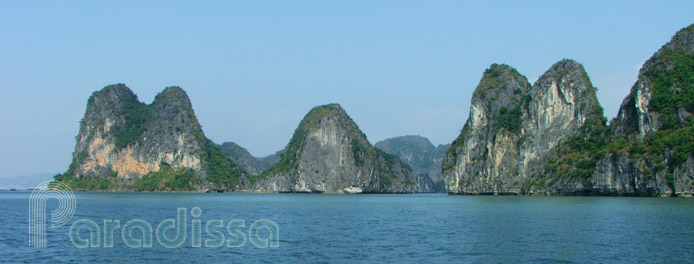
(124, 144)
(551, 137)
(328, 153)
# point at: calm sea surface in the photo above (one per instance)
(424, 228)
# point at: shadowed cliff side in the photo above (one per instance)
(328, 153)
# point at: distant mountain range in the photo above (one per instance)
(546, 138)
(24, 182)
(422, 156)
(248, 162)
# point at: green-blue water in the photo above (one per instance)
(428, 228)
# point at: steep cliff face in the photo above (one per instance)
(661, 95)
(570, 129)
(248, 162)
(422, 156)
(513, 126)
(328, 153)
(126, 144)
(561, 145)
(652, 140)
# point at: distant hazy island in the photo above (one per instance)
(546, 138)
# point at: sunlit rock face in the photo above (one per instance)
(513, 126)
(122, 139)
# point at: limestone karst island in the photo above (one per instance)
(546, 138)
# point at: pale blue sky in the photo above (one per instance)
(253, 69)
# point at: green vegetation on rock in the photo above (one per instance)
(510, 119)
(220, 170)
(135, 115)
(672, 81)
(168, 179)
(677, 144)
(86, 183)
(576, 158)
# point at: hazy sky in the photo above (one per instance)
(253, 69)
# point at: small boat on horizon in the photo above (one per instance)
(352, 190)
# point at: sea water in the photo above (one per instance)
(423, 228)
